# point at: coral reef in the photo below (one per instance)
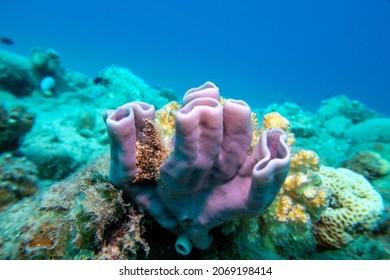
(68, 141)
(45, 63)
(58, 161)
(362, 248)
(286, 227)
(22, 76)
(18, 179)
(301, 124)
(354, 207)
(331, 130)
(120, 85)
(83, 217)
(341, 106)
(209, 164)
(16, 74)
(369, 164)
(65, 134)
(372, 130)
(297, 221)
(13, 126)
(52, 77)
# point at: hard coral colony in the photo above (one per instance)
(208, 174)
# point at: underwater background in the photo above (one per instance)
(270, 51)
(318, 71)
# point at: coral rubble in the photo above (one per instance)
(18, 179)
(13, 126)
(83, 217)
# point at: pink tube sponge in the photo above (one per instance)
(212, 176)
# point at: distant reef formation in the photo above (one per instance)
(58, 200)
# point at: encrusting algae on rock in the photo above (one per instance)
(82, 217)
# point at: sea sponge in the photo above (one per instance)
(355, 206)
(285, 229)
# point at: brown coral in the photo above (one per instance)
(126, 241)
(150, 154)
(13, 126)
(369, 164)
(18, 179)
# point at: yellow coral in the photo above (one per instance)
(354, 206)
(295, 180)
(319, 198)
(256, 132)
(165, 121)
(283, 208)
(302, 196)
(274, 119)
(305, 159)
(298, 214)
(288, 211)
(299, 202)
(310, 193)
(291, 139)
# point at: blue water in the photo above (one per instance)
(261, 51)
